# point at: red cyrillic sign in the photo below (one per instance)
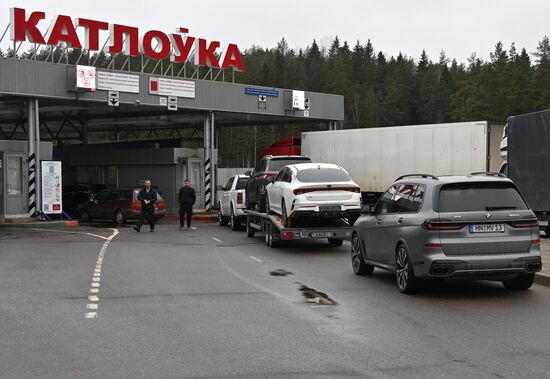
(124, 39)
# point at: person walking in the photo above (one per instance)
(148, 197)
(187, 198)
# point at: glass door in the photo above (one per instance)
(15, 197)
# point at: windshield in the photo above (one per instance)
(325, 175)
(275, 165)
(472, 197)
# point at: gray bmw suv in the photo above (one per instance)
(476, 226)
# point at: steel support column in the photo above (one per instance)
(37, 150)
(207, 162)
(31, 160)
(213, 158)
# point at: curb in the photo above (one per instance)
(43, 224)
(542, 279)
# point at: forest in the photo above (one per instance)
(382, 91)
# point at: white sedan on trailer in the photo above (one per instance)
(314, 190)
(232, 201)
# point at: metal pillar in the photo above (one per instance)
(37, 150)
(207, 162)
(31, 160)
(213, 157)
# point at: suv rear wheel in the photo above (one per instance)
(404, 274)
(119, 217)
(520, 282)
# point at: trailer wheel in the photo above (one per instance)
(268, 235)
(249, 230)
(335, 242)
(234, 221)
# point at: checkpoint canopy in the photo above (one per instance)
(68, 77)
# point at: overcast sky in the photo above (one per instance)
(459, 27)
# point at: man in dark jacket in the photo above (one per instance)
(187, 198)
(148, 198)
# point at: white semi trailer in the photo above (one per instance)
(375, 157)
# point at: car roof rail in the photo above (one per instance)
(425, 176)
(488, 173)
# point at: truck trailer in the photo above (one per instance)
(375, 157)
(526, 154)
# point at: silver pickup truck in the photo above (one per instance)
(232, 202)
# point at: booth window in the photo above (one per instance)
(15, 177)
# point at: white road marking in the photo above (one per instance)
(193, 228)
(67, 232)
(217, 239)
(256, 259)
(96, 278)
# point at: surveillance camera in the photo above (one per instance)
(137, 103)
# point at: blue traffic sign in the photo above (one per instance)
(261, 91)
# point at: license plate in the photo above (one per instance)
(322, 234)
(330, 208)
(487, 228)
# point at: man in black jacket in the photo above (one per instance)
(148, 198)
(187, 198)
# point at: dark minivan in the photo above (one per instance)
(119, 205)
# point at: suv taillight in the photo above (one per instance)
(239, 198)
(300, 191)
(527, 223)
(135, 205)
(441, 224)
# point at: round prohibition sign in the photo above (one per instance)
(81, 73)
(91, 74)
(86, 81)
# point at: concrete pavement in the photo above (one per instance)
(202, 303)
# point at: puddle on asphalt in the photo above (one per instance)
(280, 272)
(315, 297)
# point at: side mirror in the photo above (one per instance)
(367, 209)
(270, 179)
(219, 187)
(248, 173)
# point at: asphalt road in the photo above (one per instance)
(202, 303)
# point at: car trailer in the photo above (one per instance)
(334, 230)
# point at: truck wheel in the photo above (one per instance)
(520, 282)
(335, 242)
(222, 221)
(250, 231)
(235, 223)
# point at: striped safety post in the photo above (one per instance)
(32, 185)
(207, 184)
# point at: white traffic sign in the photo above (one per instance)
(113, 99)
(163, 101)
(85, 77)
(262, 98)
(111, 81)
(306, 113)
(307, 104)
(172, 103)
(298, 99)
